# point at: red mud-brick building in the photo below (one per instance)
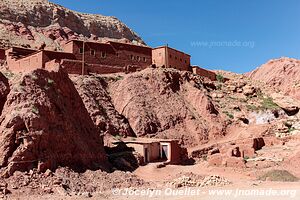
(109, 57)
(22, 60)
(84, 57)
(153, 150)
(171, 58)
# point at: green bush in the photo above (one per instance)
(269, 104)
(220, 78)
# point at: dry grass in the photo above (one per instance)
(279, 175)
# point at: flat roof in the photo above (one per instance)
(68, 55)
(160, 47)
(134, 140)
(107, 42)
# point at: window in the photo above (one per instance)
(185, 61)
(170, 56)
(145, 59)
(175, 58)
(81, 50)
(138, 58)
(132, 57)
(170, 66)
(103, 54)
(117, 55)
(93, 52)
(180, 59)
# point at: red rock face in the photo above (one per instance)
(34, 22)
(4, 90)
(282, 74)
(94, 93)
(167, 103)
(44, 124)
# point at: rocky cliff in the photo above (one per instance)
(31, 23)
(44, 124)
(281, 74)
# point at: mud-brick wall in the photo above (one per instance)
(73, 66)
(205, 73)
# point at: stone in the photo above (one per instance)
(248, 90)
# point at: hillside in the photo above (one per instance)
(31, 23)
(282, 74)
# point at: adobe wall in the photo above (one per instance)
(29, 63)
(175, 59)
(113, 57)
(178, 60)
(205, 73)
(72, 66)
(75, 67)
(175, 152)
(159, 57)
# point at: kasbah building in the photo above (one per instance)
(84, 57)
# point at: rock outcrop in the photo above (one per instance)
(31, 23)
(167, 103)
(94, 93)
(44, 124)
(281, 74)
(4, 90)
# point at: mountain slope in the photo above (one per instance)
(282, 74)
(34, 22)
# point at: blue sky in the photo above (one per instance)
(234, 35)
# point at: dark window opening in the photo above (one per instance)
(138, 58)
(93, 52)
(81, 50)
(103, 54)
(145, 59)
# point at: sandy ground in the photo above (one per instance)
(244, 186)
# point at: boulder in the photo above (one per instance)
(249, 90)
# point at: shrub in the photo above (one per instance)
(228, 114)
(220, 78)
(279, 175)
(50, 81)
(35, 110)
(269, 104)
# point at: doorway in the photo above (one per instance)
(146, 155)
(164, 152)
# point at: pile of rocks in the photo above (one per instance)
(212, 180)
